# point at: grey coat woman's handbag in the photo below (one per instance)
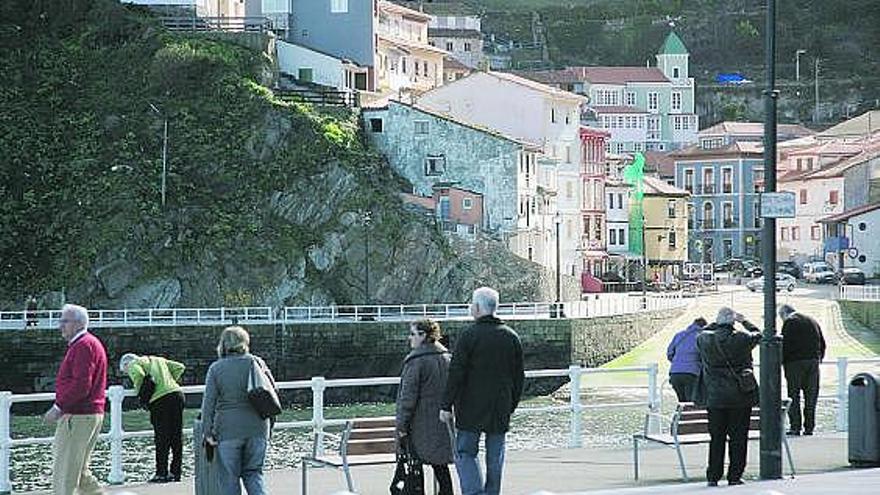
(261, 391)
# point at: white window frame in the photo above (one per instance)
(467, 203)
(653, 101)
(675, 102)
(421, 128)
(338, 6)
(435, 165)
(630, 98)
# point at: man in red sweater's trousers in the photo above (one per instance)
(79, 404)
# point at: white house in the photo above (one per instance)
(535, 113)
(817, 195)
(852, 236)
(312, 66)
(617, 202)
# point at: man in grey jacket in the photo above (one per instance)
(484, 387)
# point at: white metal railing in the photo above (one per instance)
(859, 292)
(142, 317)
(116, 394)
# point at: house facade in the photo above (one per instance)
(442, 156)
(593, 206)
(816, 196)
(665, 229)
(851, 238)
(461, 37)
(533, 113)
(405, 60)
(643, 108)
(724, 215)
(313, 67)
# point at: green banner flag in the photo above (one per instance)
(634, 175)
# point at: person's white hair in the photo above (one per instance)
(486, 301)
(726, 316)
(785, 311)
(126, 360)
(79, 314)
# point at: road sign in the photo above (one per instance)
(777, 204)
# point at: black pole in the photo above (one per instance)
(558, 265)
(644, 258)
(771, 348)
(367, 218)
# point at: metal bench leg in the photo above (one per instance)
(305, 485)
(684, 473)
(636, 458)
(788, 454)
(347, 470)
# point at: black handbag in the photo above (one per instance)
(409, 478)
(261, 392)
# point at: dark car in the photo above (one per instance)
(789, 267)
(752, 268)
(851, 276)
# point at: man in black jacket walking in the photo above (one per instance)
(483, 389)
(803, 348)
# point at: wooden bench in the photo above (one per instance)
(690, 426)
(363, 442)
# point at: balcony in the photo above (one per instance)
(708, 188)
(836, 244)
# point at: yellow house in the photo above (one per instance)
(666, 229)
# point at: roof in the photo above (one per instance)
(662, 162)
(735, 150)
(452, 63)
(657, 187)
(471, 34)
(597, 75)
(400, 9)
(548, 90)
(834, 147)
(863, 125)
(450, 118)
(618, 109)
(422, 201)
(755, 128)
(400, 42)
(854, 212)
(673, 45)
(837, 170)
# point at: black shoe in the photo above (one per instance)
(159, 479)
(735, 482)
(174, 478)
(808, 433)
(793, 433)
(711, 483)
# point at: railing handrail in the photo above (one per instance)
(148, 316)
(859, 293)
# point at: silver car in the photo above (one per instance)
(783, 281)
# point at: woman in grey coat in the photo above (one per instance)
(422, 383)
(229, 421)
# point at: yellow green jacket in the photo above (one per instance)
(164, 373)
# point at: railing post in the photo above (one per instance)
(575, 372)
(318, 387)
(5, 439)
(653, 394)
(842, 394)
(116, 395)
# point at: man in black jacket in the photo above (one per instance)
(724, 353)
(803, 348)
(484, 387)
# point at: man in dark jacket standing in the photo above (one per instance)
(484, 387)
(724, 353)
(803, 348)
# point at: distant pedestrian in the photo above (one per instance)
(725, 353)
(803, 348)
(31, 312)
(682, 353)
(79, 404)
(230, 423)
(166, 408)
(422, 384)
(484, 388)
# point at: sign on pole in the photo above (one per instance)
(777, 204)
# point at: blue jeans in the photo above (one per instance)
(242, 459)
(467, 445)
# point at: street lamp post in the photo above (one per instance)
(164, 150)
(771, 348)
(797, 64)
(644, 263)
(557, 219)
(367, 218)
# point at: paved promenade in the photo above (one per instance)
(578, 471)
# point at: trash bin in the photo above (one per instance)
(864, 420)
(207, 477)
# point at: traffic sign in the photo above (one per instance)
(777, 204)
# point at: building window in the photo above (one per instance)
(756, 214)
(421, 127)
(676, 101)
(670, 208)
(435, 165)
(815, 233)
(708, 181)
(689, 180)
(567, 153)
(553, 117)
(630, 99)
(727, 180)
(467, 203)
(727, 215)
(403, 65)
(467, 46)
(612, 237)
(653, 101)
(448, 46)
(676, 72)
(672, 239)
(833, 197)
(338, 6)
(784, 233)
(376, 125)
(690, 210)
(569, 190)
(727, 245)
(795, 233)
(803, 196)
(758, 179)
(621, 237)
(708, 216)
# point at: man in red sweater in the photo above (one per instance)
(79, 404)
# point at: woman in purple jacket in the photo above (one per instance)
(682, 353)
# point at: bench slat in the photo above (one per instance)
(363, 447)
(373, 433)
(371, 423)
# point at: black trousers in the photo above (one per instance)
(683, 384)
(802, 376)
(166, 416)
(731, 427)
(444, 479)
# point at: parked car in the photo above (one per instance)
(783, 281)
(819, 273)
(752, 269)
(851, 276)
(789, 267)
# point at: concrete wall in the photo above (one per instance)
(331, 350)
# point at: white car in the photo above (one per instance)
(783, 281)
(818, 273)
